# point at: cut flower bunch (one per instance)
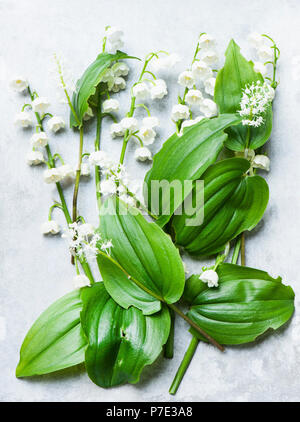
(122, 323)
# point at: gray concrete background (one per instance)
(35, 270)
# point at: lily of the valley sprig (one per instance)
(122, 323)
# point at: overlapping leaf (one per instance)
(246, 304)
(121, 341)
(55, 341)
(185, 158)
(86, 85)
(233, 203)
(231, 79)
(146, 254)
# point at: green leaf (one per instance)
(87, 84)
(186, 158)
(258, 135)
(121, 341)
(246, 304)
(145, 253)
(233, 203)
(55, 341)
(231, 79)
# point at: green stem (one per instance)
(184, 365)
(97, 148)
(236, 251)
(169, 346)
(160, 298)
(56, 205)
(132, 108)
(196, 327)
(126, 136)
(78, 173)
(85, 265)
(61, 77)
(243, 251)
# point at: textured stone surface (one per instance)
(36, 270)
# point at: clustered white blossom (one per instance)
(84, 241)
(255, 100)
(198, 81)
(145, 131)
(114, 78)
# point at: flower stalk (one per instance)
(85, 266)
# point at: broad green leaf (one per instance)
(55, 341)
(121, 342)
(87, 84)
(233, 203)
(231, 79)
(258, 136)
(246, 303)
(145, 252)
(185, 158)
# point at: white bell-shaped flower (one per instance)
(110, 106)
(142, 154)
(141, 91)
(119, 83)
(158, 89)
(88, 114)
(39, 139)
(261, 162)
(256, 40)
(66, 171)
(179, 112)
(40, 105)
(206, 41)
(209, 86)
(23, 119)
(210, 57)
(52, 175)
(19, 84)
(129, 123)
(116, 130)
(265, 53)
(194, 97)
(147, 134)
(33, 158)
(120, 69)
(209, 108)
(108, 187)
(201, 70)
(50, 227)
(150, 121)
(56, 123)
(186, 79)
(210, 277)
(85, 169)
(100, 158)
